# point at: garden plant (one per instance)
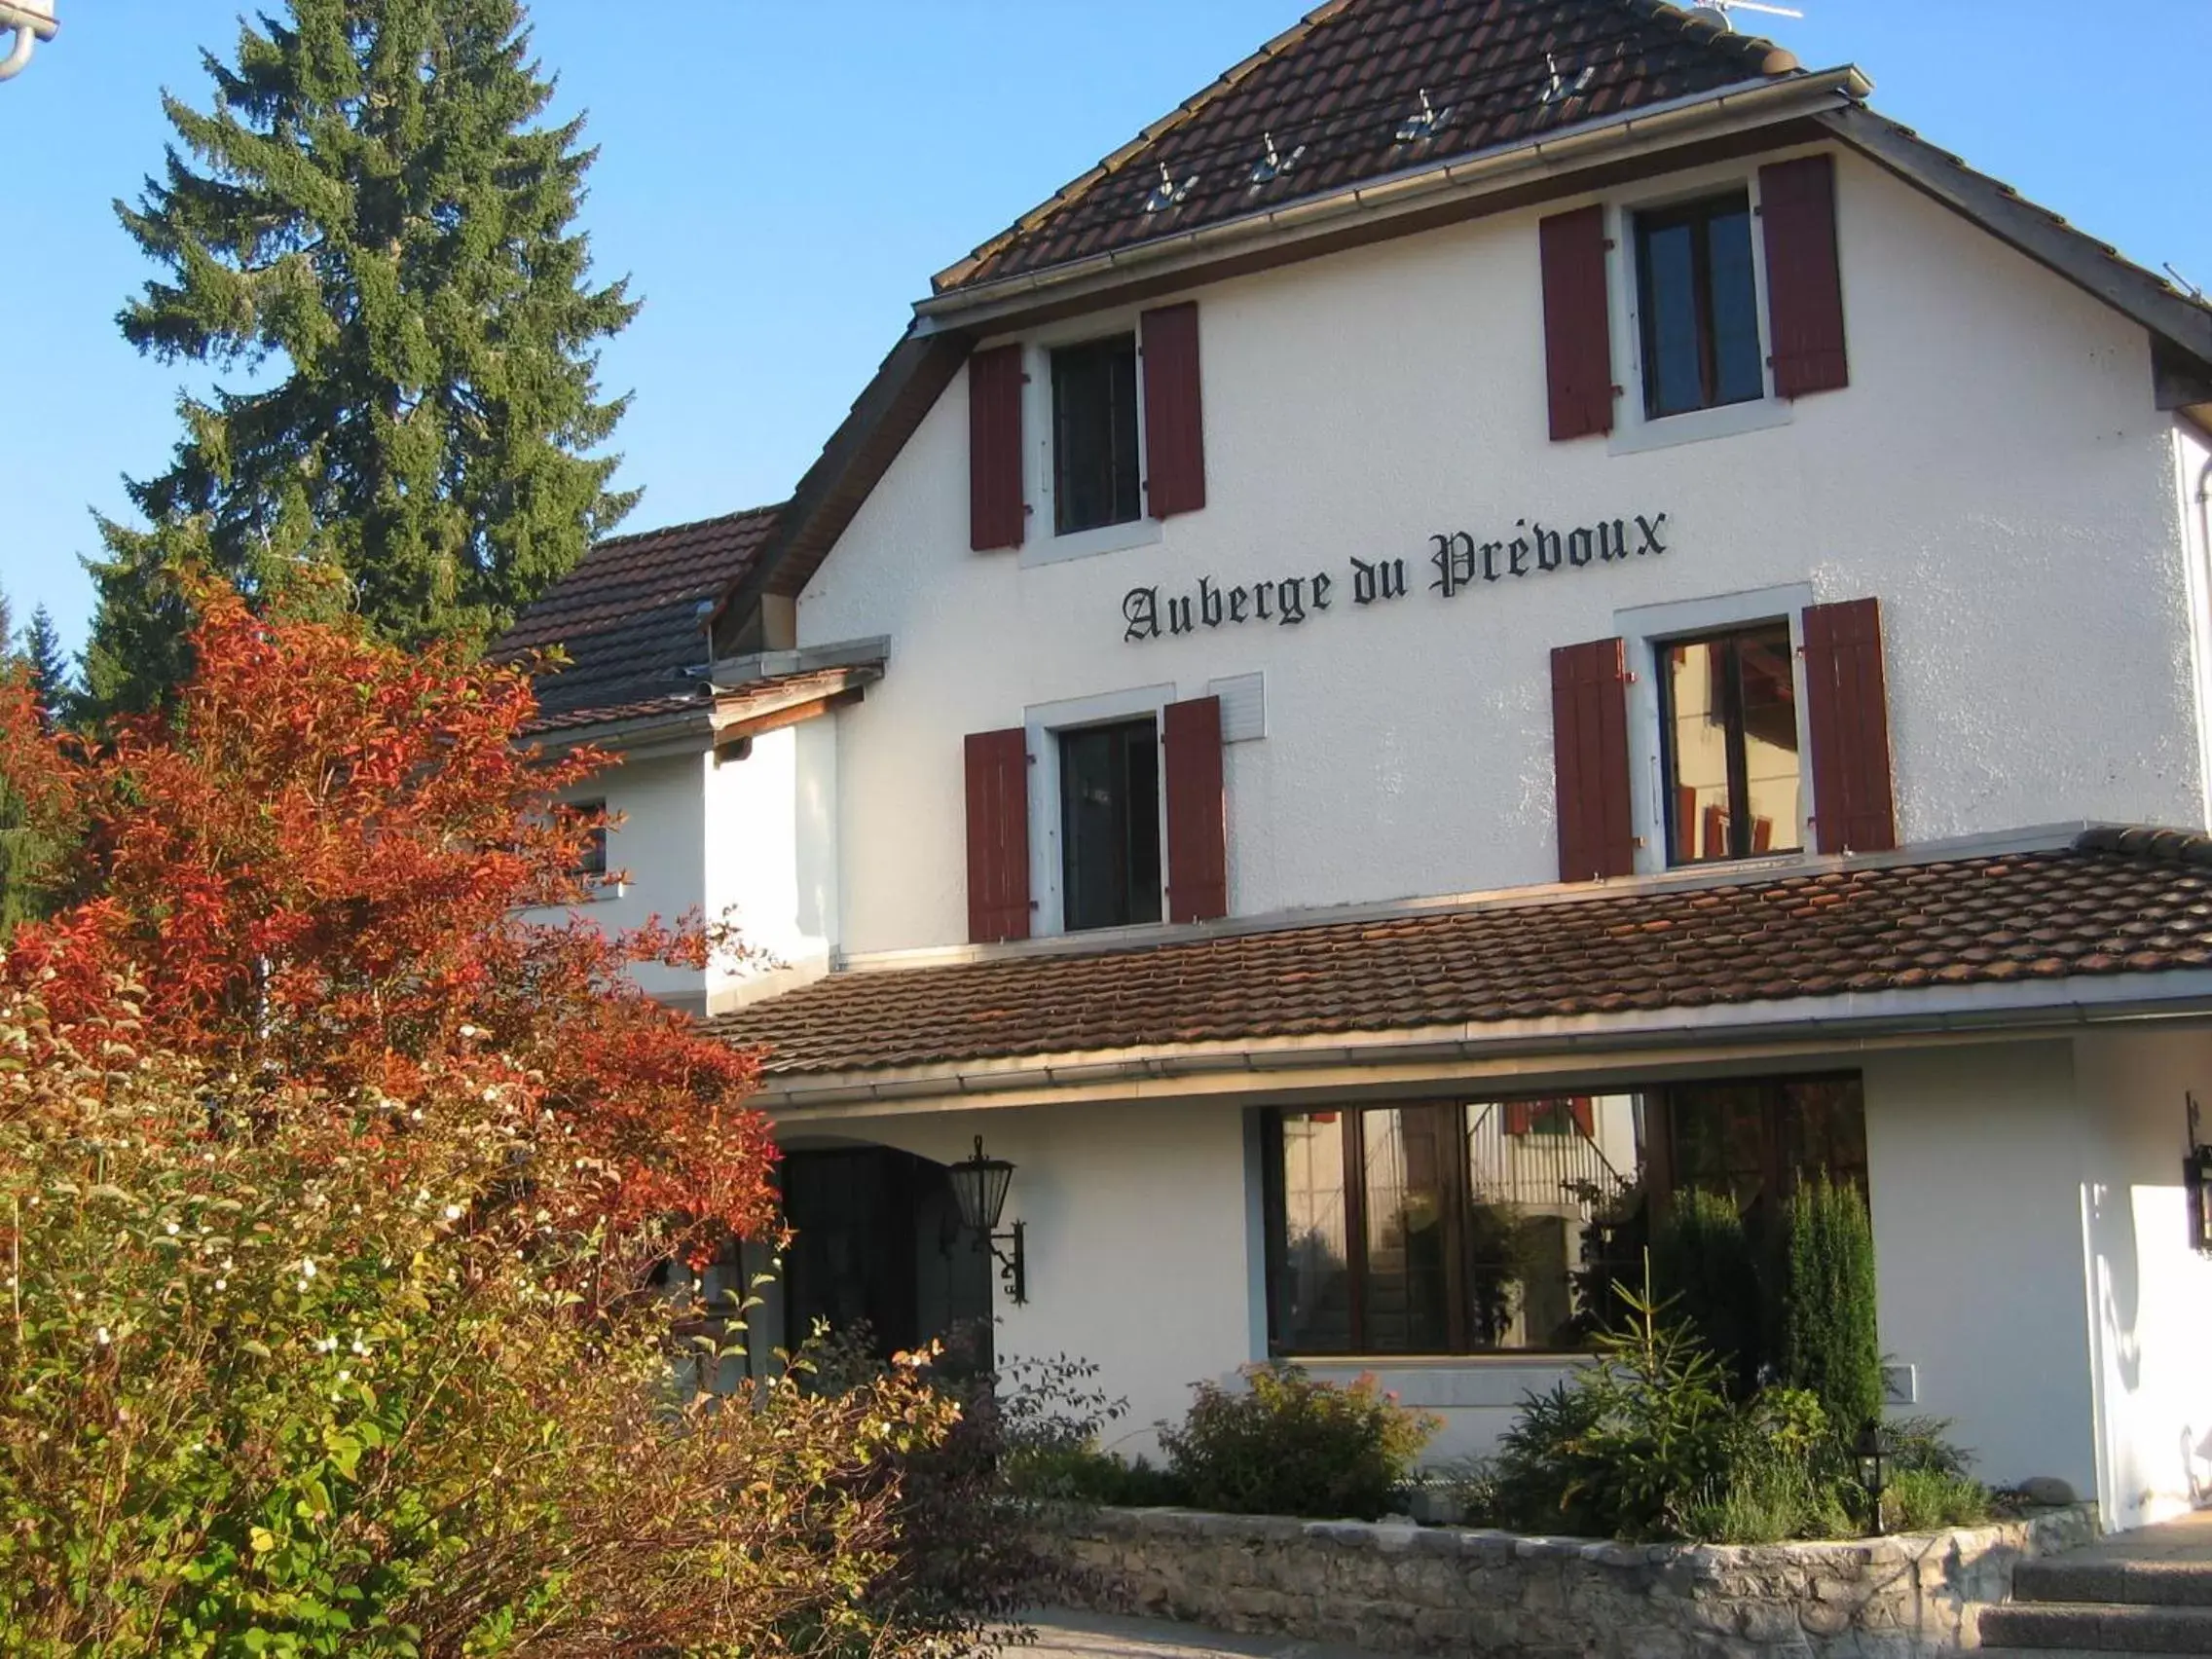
(349, 1196)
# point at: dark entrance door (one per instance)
(876, 1240)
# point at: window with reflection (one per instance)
(1697, 302)
(1504, 1226)
(1728, 742)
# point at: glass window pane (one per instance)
(1110, 826)
(1720, 1139)
(1694, 674)
(1823, 1127)
(1772, 776)
(1405, 1296)
(1094, 434)
(1667, 264)
(1313, 1278)
(1555, 1194)
(1738, 373)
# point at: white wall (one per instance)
(2193, 477)
(660, 846)
(2152, 1294)
(770, 856)
(1136, 1241)
(1996, 474)
(1974, 1173)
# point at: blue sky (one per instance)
(780, 178)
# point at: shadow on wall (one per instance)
(2112, 1227)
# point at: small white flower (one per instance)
(104, 1338)
(359, 1347)
(452, 1212)
(171, 1227)
(344, 1377)
(470, 1031)
(222, 1285)
(417, 1114)
(327, 1345)
(306, 1268)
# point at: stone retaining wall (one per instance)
(1398, 1588)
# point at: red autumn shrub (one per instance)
(329, 1184)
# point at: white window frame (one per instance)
(1642, 630)
(1044, 546)
(1634, 431)
(1042, 723)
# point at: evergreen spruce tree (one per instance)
(49, 666)
(29, 852)
(1704, 1267)
(1830, 1346)
(369, 219)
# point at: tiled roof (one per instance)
(631, 617)
(1340, 96)
(2112, 901)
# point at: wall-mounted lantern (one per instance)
(1873, 1469)
(2196, 1182)
(979, 1188)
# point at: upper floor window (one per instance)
(590, 859)
(1110, 825)
(1697, 296)
(1728, 731)
(1096, 474)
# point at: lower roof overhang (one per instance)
(1512, 1054)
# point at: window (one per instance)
(1697, 302)
(1110, 825)
(1728, 741)
(1094, 434)
(1503, 1226)
(591, 861)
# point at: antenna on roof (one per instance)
(1423, 125)
(2183, 282)
(1167, 192)
(1275, 163)
(1556, 86)
(1722, 9)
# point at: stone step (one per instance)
(2101, 1627)
(2131, 1583)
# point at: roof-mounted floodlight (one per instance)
(31, 21)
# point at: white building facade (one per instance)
(1363, 726)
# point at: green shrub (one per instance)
(1083, 1474)
(1705, 1270)
(1921, 1500)
(1829, 1346)
(1286, 1444)
(1628, 1445)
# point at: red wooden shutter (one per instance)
(1590, 757)
(1848, 711)
(1197, 834)
(1520, 1116)
(1584, 1112)
(998, 837)
(996, 514)
(1804, 287)
(1174, 422)
(1578, 348)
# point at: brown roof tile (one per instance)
(632, 618)
(1340, 96)
(2132, 901)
